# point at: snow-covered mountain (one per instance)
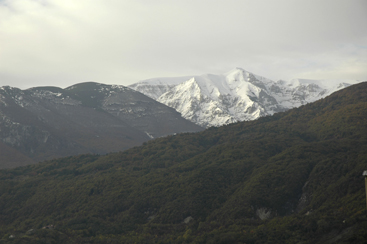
(155, 87)
(215, 100)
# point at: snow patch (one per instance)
(152, 137)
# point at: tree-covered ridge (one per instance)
(293, 177)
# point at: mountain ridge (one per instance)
(46, 122)
(237, 95)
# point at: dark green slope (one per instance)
(295, 177)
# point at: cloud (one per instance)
(62, 42)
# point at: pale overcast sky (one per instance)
(64, 42)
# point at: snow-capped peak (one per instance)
(237, 95)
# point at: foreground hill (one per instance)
(48, 122)
(238, 95)
(295, 177)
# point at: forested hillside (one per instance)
(295, 177)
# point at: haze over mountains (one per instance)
(238, 95)
(47, 122)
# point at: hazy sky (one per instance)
(63, 42)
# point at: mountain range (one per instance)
(48, 122)
(294, 177)
(238, 95)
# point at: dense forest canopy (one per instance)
(295, 177)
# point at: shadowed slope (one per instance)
(50, 122)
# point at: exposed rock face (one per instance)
(215, 100)
(188, 220)
(46, 122)
(263, 213)
(304, 200)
